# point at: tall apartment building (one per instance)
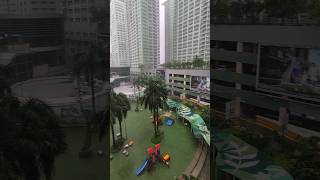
(187, 30)
(267, 71)
(31, 34)
(143, 25)
(81, 29)
(30, 7)
(168, 20)
(119, 34)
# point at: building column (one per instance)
(283, 120)
(172, 81)
(237, 100)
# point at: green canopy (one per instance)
(243, 161)
(198, 126)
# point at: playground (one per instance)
(178, 141)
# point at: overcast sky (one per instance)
(161, 8)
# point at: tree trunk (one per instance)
(93, 98)
(125, 128)
(157, 118)
(88, 137)
(87, 141)
(154, 121)
(138, 98)
(120, 126)
(113, 138)
(137, 105)
(79, 95)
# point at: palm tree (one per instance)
(136, 86)
(138, 83)
(79, 67)
(125, 107)
(92, 65)
(154, 98)
(29, 150)
(119, 107)
(112, 121)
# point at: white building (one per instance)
(143, 25)
(119, 49)
(187, 29)
(169, 17)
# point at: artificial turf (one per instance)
(178, 141)
(70, 166)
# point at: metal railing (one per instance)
(298, 21)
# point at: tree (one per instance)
(198, 62)
(29, 150)
(137, 84)
(252, 9)
(168, 65)
(284, 8)
(154, 98)
(120, 105)
(221, 9)
(92, 65)
(125, 107)
(236, 10)
(115, 113)
(205, 114)
(315, 8)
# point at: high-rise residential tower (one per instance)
(187, 29)
(168, 19)
(82, 26)
(119, 34)
(31, 7)
(143, 25)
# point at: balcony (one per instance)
(299, 21)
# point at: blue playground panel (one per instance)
(169, 122)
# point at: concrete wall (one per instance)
(295, 36)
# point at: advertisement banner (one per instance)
(200, 83)
(290, 71)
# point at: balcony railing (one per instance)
(298, 21)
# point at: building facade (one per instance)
(31, 38)
(189, 83)
(119, 49)
(169, 25)
(143, 25)
(81, 27)
(187, 30)
(267, 71)
(30, 7)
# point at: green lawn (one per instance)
(178, 141)
(69, 166)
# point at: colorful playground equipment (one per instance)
(169, 122)
(153, 156)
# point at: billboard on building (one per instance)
(201, 83)
(290, 71)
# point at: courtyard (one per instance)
(178, 141)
